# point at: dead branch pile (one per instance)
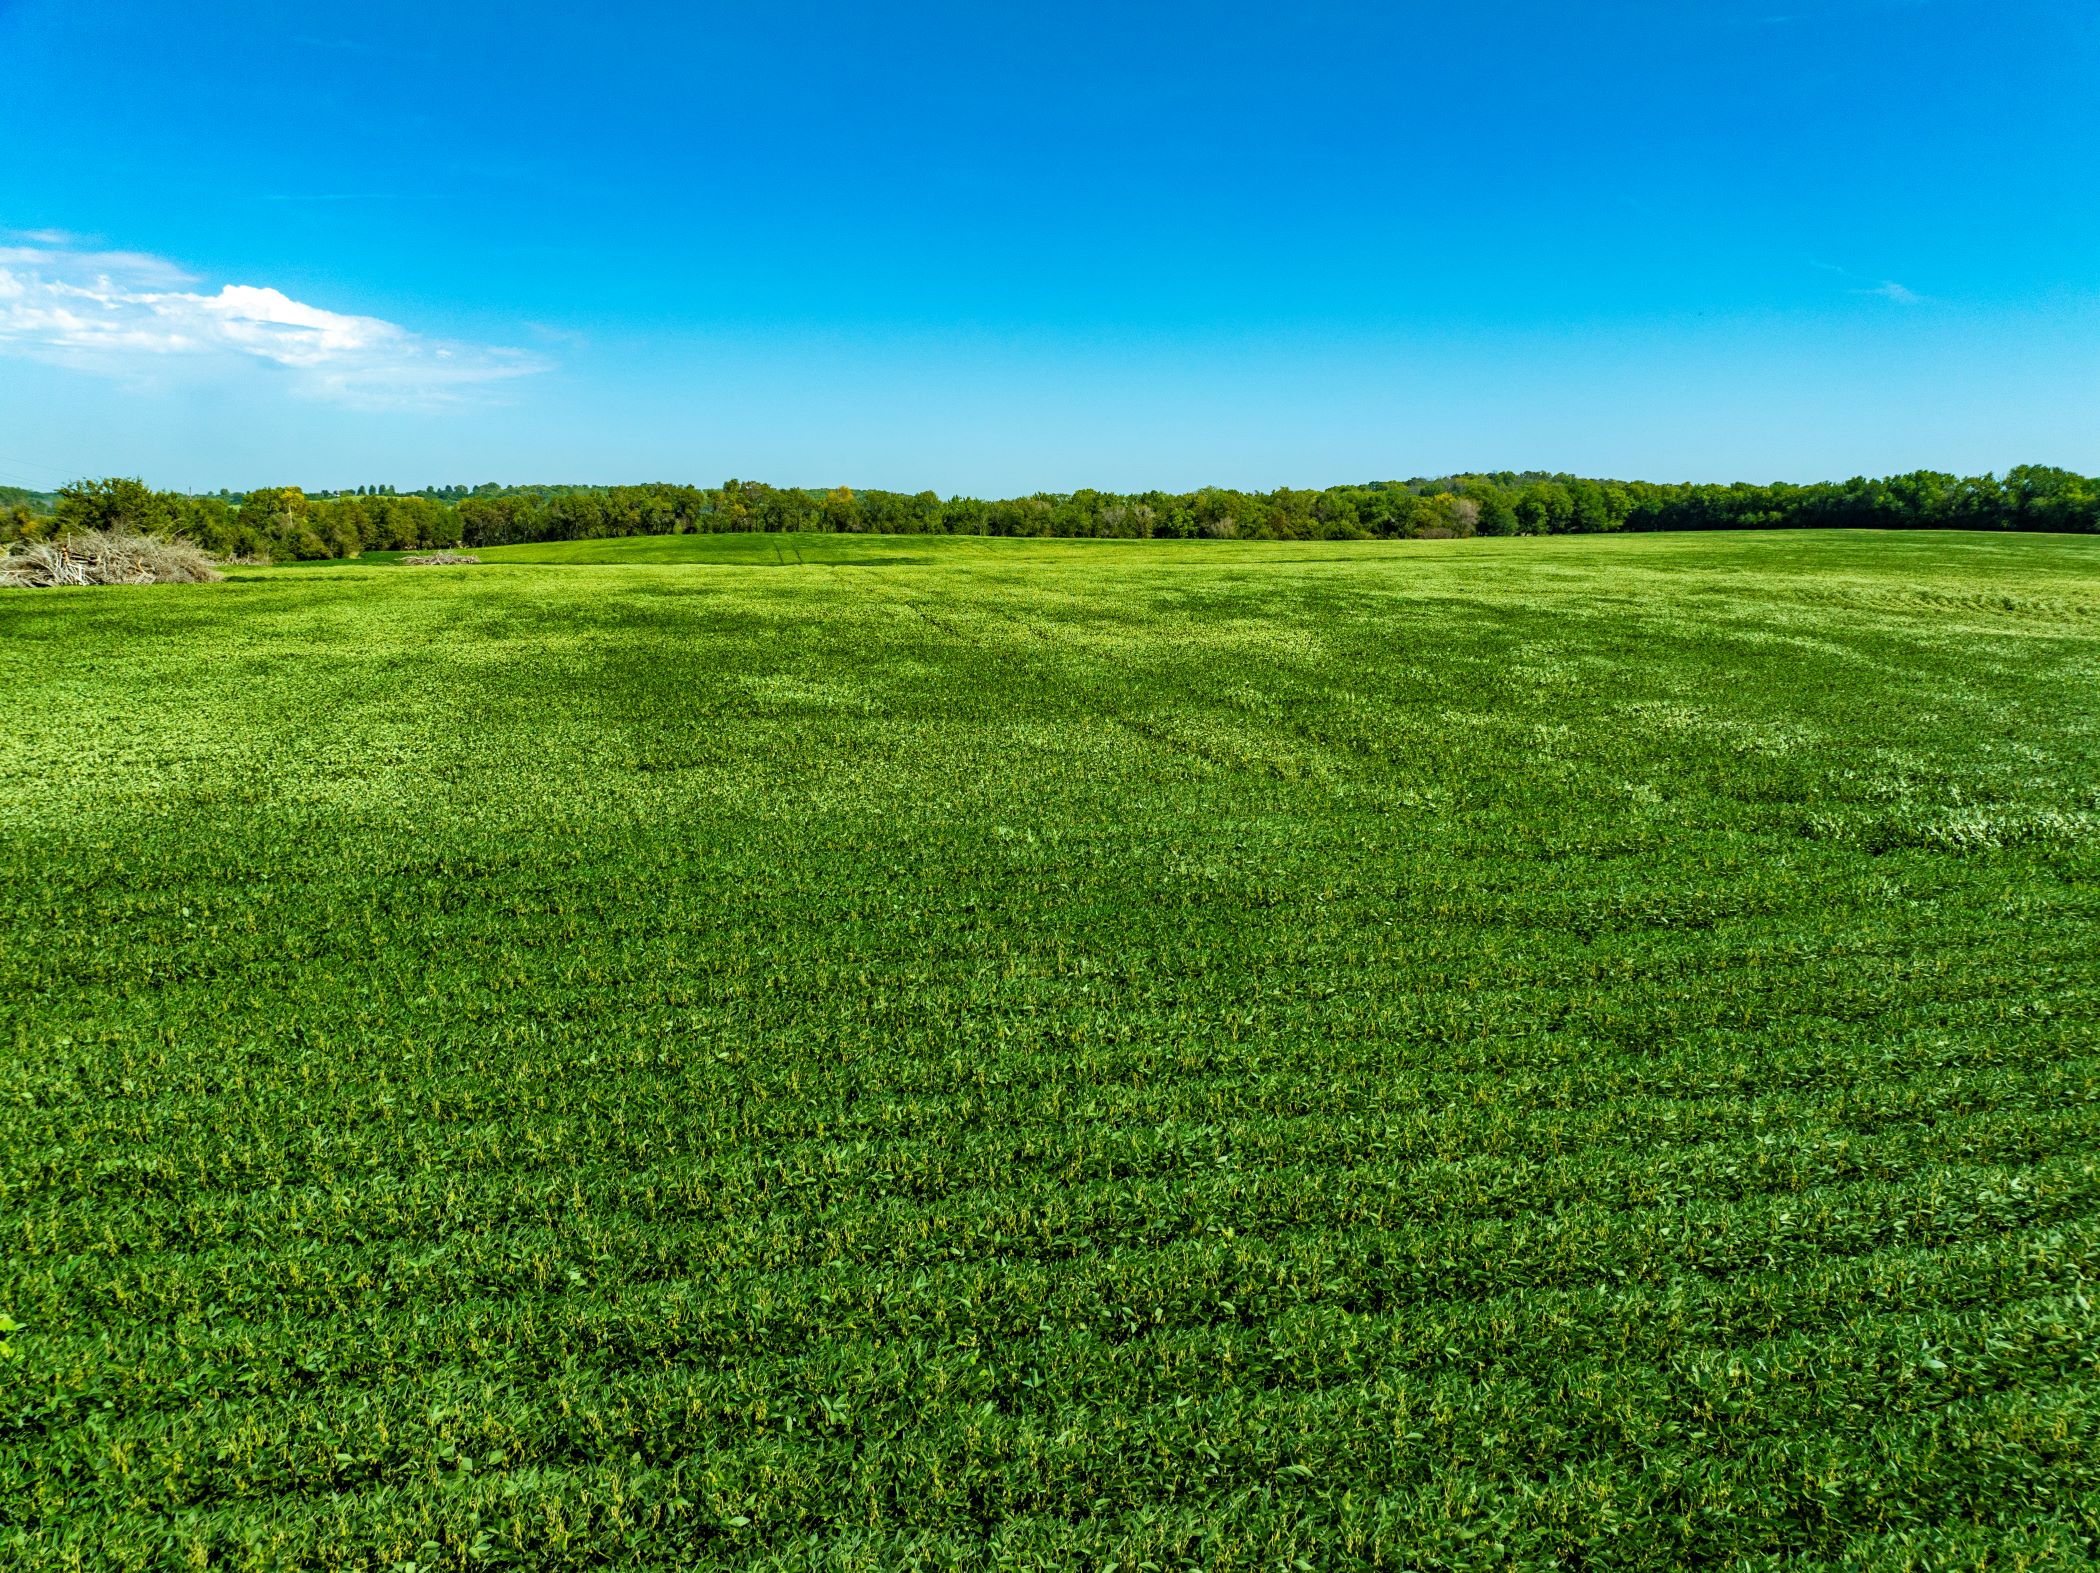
(439, 559)
(105, 557)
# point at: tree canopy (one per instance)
(286, 523)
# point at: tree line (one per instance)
(286, 523)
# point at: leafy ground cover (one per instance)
(840, 1052)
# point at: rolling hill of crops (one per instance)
(844, 1052)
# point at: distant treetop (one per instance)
(288, 522)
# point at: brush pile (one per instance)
(439, 559)
(105, 557)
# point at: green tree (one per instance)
(120, 503)
(2042, 497)
(1544, 508)
(1498, 514)
(839, 511)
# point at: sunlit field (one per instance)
(866, 1052)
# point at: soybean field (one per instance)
(877, 1052)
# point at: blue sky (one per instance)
(1001, 248)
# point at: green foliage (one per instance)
(22, 496)
(872, 1052)
(288, 525)
(120, 505)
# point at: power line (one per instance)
(28, 464)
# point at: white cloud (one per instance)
(123, 313)
(1887, 289)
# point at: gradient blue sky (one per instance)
(1000, 248)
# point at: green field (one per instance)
(840, 1052)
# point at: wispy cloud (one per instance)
(124, 313)
(548, 333)
(1887, 289)
(135, 268)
